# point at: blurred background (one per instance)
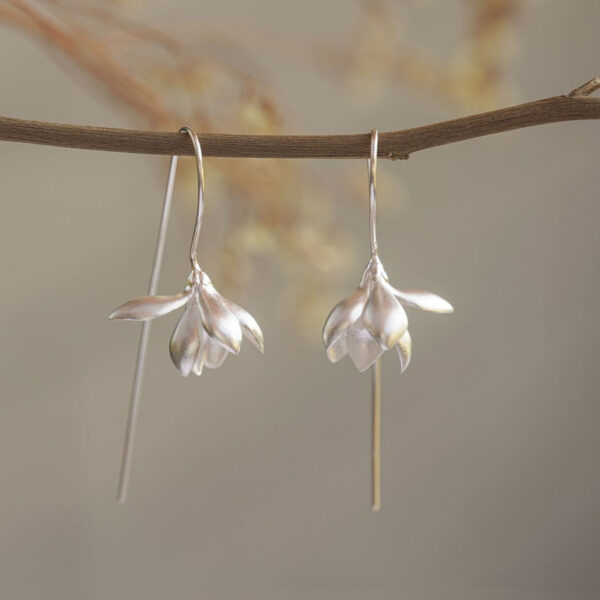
(253, 480)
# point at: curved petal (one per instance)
(185, 341)
(145, 308)
(404, 347)
(363, 348)
(384, 317)
(199, 363)
(338, 349)
(250, 328)
(218, 320)
(423, 300)
(215, 354)
(344, 315)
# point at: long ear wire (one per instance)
(372, 321)
(210, 328)
(144, 337)
(376, 367)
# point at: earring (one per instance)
(210, 328)
(371, 321)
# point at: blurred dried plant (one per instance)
(211, 82)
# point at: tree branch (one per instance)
(392, 144)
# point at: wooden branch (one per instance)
(392, 144)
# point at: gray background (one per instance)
(252, 482)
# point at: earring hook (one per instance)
(136, 390)
(372, 166)
(200, 208)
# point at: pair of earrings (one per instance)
(364, 325)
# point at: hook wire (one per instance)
(372, 167)
(200, 207)
(376, 368)
(136, 390)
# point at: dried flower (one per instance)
(209, 328)
(372, 319)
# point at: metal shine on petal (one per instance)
(145, 308)
(384, 316)
(218, 320)
(404, 348)
(185, 341)
(423, 300)
(215, 354)
(344, 315)
(250, 328)
(363, 348)
(338, 349)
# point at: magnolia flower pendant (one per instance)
(210, 328)
(372, 320)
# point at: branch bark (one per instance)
(392, 144)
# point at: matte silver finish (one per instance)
(423, 300)
(372, 320)
(384, 317)
(136, 390)
(218, 321)
(250, 328)
(210, 328)
(185, 341)
(344, 315)
(146, 308)
(404, 347)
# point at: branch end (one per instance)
(586, 89)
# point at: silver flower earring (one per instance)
(210, 328)
(371, 321)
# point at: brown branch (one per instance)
(392, 144)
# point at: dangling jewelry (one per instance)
(371, 321)
(210, 328)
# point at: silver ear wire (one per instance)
(376, 367)
(200, 206)
(372, 167)
(210, 328)
(372, 320)
(136, 390)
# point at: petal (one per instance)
(150, 307)
(363, 348)
(338, 349)
(423, 300)
(199, 364)
(250, 328)
(344, 315)
(215, 354)
(219, 322)
(185, 341)
(384, 317)
(404, 347)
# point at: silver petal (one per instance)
(219, 322)
(423, 300)
(199, 364)
(215, 354)
(363, 348)
(145, 308)
(250, 327)
(344, 315)
(404, 347)
(384, 317)
(185, 341)
(338, 349)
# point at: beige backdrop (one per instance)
(252, 482)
